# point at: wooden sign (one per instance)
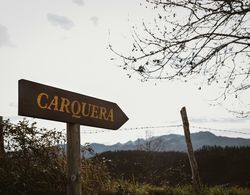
(42, 101)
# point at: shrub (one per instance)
(32, 163)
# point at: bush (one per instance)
(35, 164)
(32, 163)
(95, 178)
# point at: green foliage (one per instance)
(35, 164)
(123, 187)
(217, 166)
(229, 165)
(156, 168)
(94, 177)
(220, 190)
(32, 164)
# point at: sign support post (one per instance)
(46, 102)
(73, 159)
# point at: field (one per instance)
(36, 165)
(126, 188)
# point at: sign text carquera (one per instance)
(75, 108)
(42, 101)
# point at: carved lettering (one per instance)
(54, 103)
(65, 103)
(39, 100)
(77, 109)
(84, 109)
(110, 115)
(103, 112)
(95, 110)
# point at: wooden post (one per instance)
(73, 159)
(191, 157)
(2, 152)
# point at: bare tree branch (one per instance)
(195, 38)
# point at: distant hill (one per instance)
(173, 142)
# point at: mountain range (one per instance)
(173, 142)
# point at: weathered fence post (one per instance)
(73, 160)
(2, 152)
(191, 157)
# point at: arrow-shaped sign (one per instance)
(42, 101)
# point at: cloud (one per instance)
(94, 20)
(4, 37)
(60, 21)
(79, 2)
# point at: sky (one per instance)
(64, 43)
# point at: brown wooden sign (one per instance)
(42, 101)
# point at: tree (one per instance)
(195, 39)
(150, 143)
(33, 163)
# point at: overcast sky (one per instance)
(63, 43)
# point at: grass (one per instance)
(131, 188)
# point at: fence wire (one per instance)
(96, 131)
(164, 127)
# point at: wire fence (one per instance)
(220, 130)
(170, 128)
(96, 131)
(130, 129)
